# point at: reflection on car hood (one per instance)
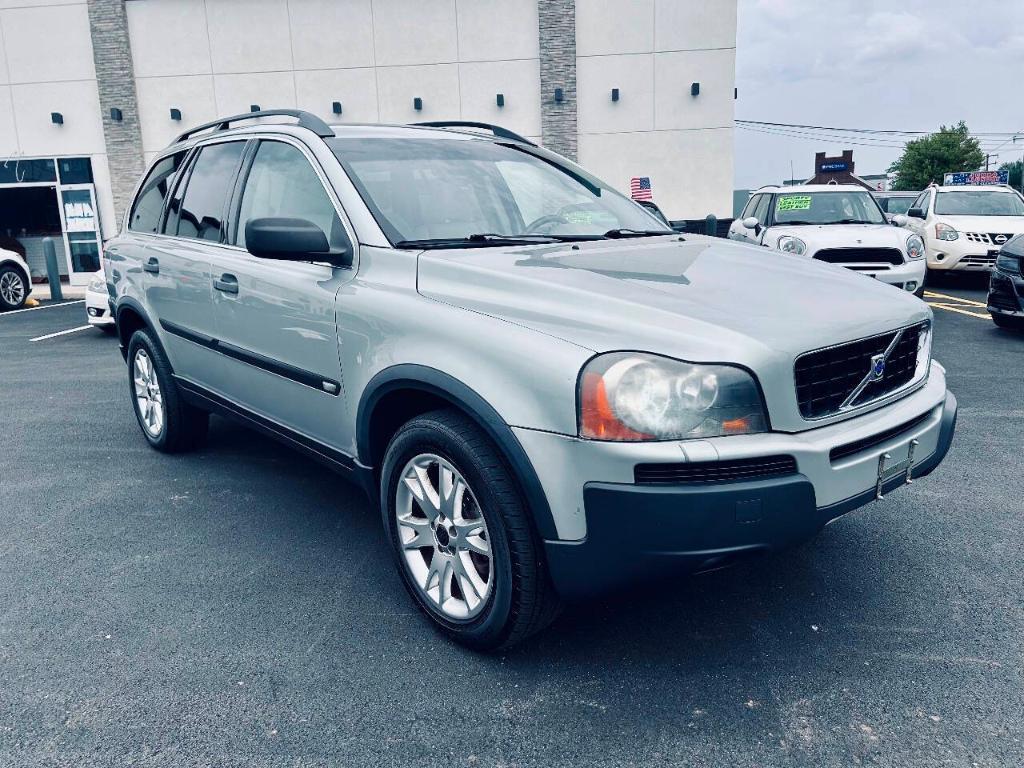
(702, 299)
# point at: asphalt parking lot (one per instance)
(237, 606)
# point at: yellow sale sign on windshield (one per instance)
(794, 203)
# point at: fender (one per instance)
(128, 302)
(435, 382)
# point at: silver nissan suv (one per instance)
(548, 392)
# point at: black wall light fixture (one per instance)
(57, 118)
(254, 107)
(694, 89)
(116, 115)
(336, 107)
(559, 96)
(735, 93)
(417, 104)
(615, 94)
(175, 113)
(500, 99)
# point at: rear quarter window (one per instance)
(149, 203)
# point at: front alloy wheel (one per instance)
(444, 537)
(12, 289)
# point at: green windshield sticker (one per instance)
(579, 217)
(794, 203)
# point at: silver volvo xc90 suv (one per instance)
(548, 392)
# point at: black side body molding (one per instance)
(435, 382)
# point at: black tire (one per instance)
(919, 292)
(184, 426)
(1008, 323)
(933, 277)
(13, 277)
(521, 600)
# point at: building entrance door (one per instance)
(81, 226)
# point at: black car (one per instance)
(1006, 287)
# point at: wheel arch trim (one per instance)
(128, 303)
(434, 382)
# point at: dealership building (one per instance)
(91, 90)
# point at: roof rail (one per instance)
(306, 120)
(497, 130)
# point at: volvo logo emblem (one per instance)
(877, 367)
(1000, 239)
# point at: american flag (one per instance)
(640, 188)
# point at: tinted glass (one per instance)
(212, 175)
(896, 205)
(282, 183)
(75, 170)
(17, 171)
(761, 211)
(748, 209)
(145, 215)
(841, 207)
(425, 188)
(979, 203)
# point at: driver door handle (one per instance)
(226, 283)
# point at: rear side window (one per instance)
(201, 211)
(761, 209)
(145, 215)
(282, 183)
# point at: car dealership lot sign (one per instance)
(976, 177)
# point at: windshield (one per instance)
(827, 208)
(450, 189)
(979, 203)
(897, 205)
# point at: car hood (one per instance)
(700, 299)
(844, 236)
(989, 224)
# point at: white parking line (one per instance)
(42, 306)
(61, 333)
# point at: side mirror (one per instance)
(899, 220)
(916, 213)
(751, 222)
(293, 240)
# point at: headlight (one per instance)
(98, 284)
(790, 244)
(945, 232)
(633, 396)
(924, 351)
(1007, 263)
(915, 247)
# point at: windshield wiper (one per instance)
(854, 221)
(485, 239)
(796, 223)
(626, 232)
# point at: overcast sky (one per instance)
(900, 64)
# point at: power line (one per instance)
(856, 140)
(996, 134)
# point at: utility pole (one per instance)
(988, 158)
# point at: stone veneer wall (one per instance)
(557, 31)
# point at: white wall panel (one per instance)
(270, 90)
(249, 35)
(614, 26)
(518, 81)
(437, 85)
(633, 75)
(8, 136)
(491, 30)
(691, 172)
(674, 107)
(82, 132)
(4, 75)
(691, 24)
(330, 34)
(414, 32)
(192, 94)
(169, 37)
(48, 44)
(356, 89)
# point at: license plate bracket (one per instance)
(887, 473)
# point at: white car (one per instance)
(964, 227)
(97, 304)
(836, 223)
(15, 280)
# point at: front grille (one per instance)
(988, 238)
(987, 261)
(827, 377)
(842, 451)
(703, 472)
(860, 256)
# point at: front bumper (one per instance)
(97, 309)
(1006, 294)
(619, 531)
(909, 275)
(960, 254)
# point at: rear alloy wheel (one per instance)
(462, 537)
(13, 290)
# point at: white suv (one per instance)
(836, 223)
(963, 228)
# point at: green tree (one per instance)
(1015, 171)
(927, 159)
